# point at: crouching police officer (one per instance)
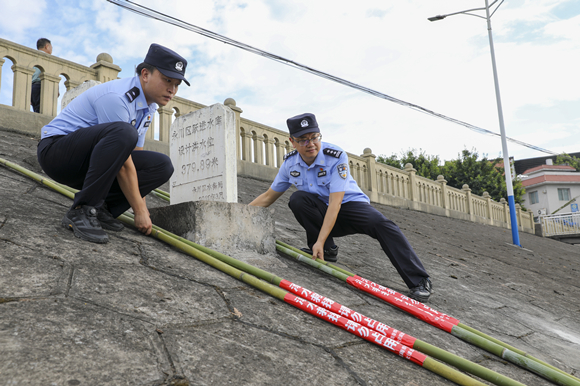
(96, 144)
(330, 204)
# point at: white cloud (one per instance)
(18, 16)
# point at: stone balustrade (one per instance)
(260, 148)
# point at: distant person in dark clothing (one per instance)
(44, 45)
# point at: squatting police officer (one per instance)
(96, 144)
(330, 204)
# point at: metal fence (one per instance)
(561, 224)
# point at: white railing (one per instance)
(561, 224)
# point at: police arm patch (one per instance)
(342, 170)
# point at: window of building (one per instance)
(534, 197)
(564, 194)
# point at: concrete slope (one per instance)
(138, 312)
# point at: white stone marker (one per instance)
(203, 151)
(75, 92)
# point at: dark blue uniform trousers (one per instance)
(359, 217)
(90, 158)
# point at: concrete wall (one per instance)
(260, 148)
(548, 197)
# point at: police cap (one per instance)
(168, 62)
(302, 124)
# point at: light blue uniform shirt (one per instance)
(329, 173)
(119, 100)
(36, 76)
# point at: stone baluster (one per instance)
(269, 143)
(165, 115)
(371, 177)
(444, 198)
(279, 153)
(21, 87)
(150, 134)
(49, 94)
(506, 212)
(519, 217)
(246, 143)
(259, 149)
(413, 194)
(488, 207)
(468, 202)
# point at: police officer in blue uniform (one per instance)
(96, 144)
(330, 204)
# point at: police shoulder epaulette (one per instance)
(132, 94)
(332, 152)
(290, 154)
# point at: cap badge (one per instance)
(304, 123)
(179, 66)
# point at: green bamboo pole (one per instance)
(279, 293)
(426, 348)
(163, 192)
(43, 180)
(247, 278)
(470, 335)
(511, 348)
(512, 354)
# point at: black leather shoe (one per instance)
(422, 292)
(330, 255)
(84, 224)
(107, 220)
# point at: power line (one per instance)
(153, 14)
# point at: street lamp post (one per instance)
(506, 159)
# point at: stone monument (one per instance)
(203, 151)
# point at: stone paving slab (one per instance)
(148, 294)
(69, 342)
(138, 312)
(227, 353)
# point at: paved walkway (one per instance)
(137, 312)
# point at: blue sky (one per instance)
(388, 46)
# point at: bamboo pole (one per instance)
(440, 320)
(445, 322)
(275, 291)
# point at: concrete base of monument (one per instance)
(241, 231)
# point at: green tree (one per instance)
(391, 161)
(566, 159)
(482, 175)
(427, 166)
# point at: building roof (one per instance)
(550, 167)
(528, 163)
(551, 178)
